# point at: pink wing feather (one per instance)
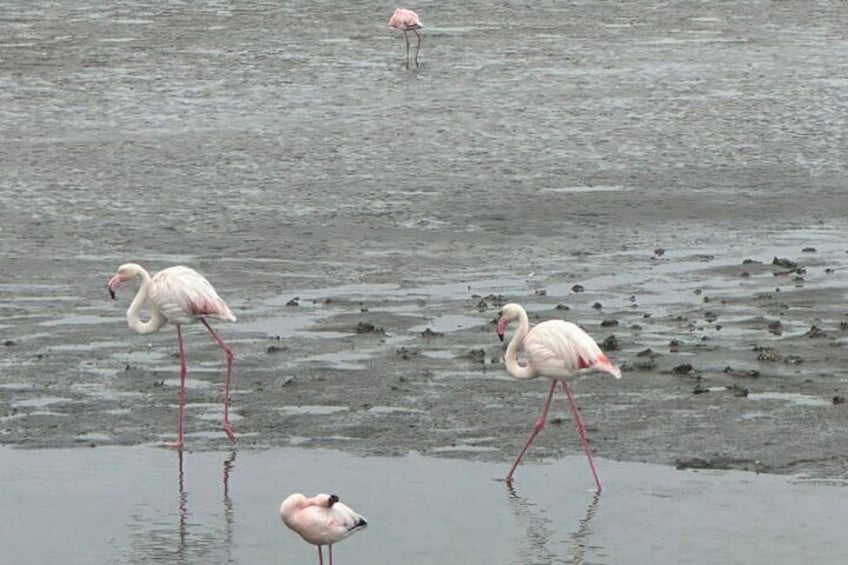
(405, 19)
(183, 295)
(559, 349)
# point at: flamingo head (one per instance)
(508, 313)
(501, 329)
(127, 271)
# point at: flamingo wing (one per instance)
(343, 516)
(405, 19)
(324, 526)
(183, 295)
(558, 349)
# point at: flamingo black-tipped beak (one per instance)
(332, 500)
(113, 283)
(500, 336)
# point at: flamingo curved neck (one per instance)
(511, 357)
(156, 320)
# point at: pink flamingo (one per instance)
(407, 20)
(560, 351)
(320, 520)
(183, 296)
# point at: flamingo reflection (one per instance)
(539, 532)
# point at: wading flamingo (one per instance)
(320, 520)
(182, 296)
(407, 20)
(560, 351)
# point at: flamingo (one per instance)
(320, 520)
(180, 295)
(560, 351)
(407, 20)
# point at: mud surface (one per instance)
(615, 165)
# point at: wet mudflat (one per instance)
(670, 175)
(218, 507)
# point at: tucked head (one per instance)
(126, 272)
(508, 313)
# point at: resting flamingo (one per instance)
(320, 520)
(560, 351)
(180, 295)
(407, 20)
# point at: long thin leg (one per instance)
(320, 556)
(229, 354)
(179, 443)
(406, 38)
(540, 423)
(581, 431)
(417, 47)
(330, 549)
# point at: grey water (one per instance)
(143, 505)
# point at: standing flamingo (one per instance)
(560, 351)
(320, 520)
(407, 20)
(183, 296)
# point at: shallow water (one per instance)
(141, 505)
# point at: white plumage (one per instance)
(558, 350)
(320, 520)
(180, 295)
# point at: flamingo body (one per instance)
(183, 296)
(560, 351)
(180, 295)
(320, 520)
(406, 20)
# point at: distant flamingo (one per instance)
(320, 520)
(407, 20)
(182, 296)
(560, 351)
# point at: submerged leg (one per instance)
(581, 431)
(406, 38)
(181, 400)
(229, 355)
(540, 423)
(417, 46)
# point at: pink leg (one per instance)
(581, 431)
(179, 443)
(406, 38)
(417, 47)
(540, 423)
(330, 550)
(320, 556)
(229, 354)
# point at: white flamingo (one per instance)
(180, 295)
(560, 351)
(320, 520)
